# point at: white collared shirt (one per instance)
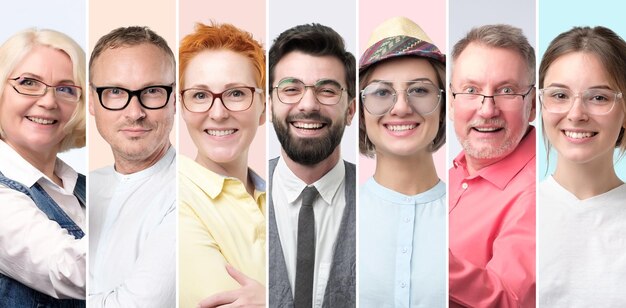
(132, 226)
(328, 210)
(35, 250)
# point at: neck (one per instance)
(310, 174)
(589, 179)
(126, 166)
(236, 169)
(406, 175)
(44, 161)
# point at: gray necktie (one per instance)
(305, 260)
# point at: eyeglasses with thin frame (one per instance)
(118, 98)
(233, 99)
(379, 97)
(292, 90)
(504, 101)
(33, 87)
(596, 101)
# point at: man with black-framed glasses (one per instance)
(492, 181)
(312, 225)
(132, 251)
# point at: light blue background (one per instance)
(67, 16)
(465, 15)
(558, 16)
(339, 15)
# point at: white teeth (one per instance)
(308, 125)
(397, 128)
(41, 121)
(486, 129)
(214, 132)
(578, 135)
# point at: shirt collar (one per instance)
(213, 183)
(503, 171)
(436, 192)
(327, 185)
(15, 167)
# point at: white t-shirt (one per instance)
(581, 248)
(132, 236)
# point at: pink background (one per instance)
(243, 14)
(106, 15)
(431, 16)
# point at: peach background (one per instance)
(106, 15)
(253, 21)
(431, 16)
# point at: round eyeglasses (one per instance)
(233, 99)
(33, 87)
(595, 101)
(379, 97)
(326, 91)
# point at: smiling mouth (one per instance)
(487, 129)
(400, 128)
(307, 125)
(42, 121)
(578, 135)
(219, 133)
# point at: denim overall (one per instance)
(12, 292)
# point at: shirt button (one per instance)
(403, 285)
(464, 185)
(407, 220)
(404, 250)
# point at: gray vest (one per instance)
(340, 290)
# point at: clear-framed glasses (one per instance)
(33, 87)
(379, 97)
(595, 101)
(504, 101)
(233, 99)
(117, 98)
(291, 91)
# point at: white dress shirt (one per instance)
(35, 250)
(132, 225)
(328, 210)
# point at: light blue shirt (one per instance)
(402, 247)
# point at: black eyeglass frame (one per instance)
(132, 93)
(493, 97)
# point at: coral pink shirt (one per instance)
(492, 231)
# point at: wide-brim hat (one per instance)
(398, 37)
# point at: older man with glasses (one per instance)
(132, 251)
(492, 181)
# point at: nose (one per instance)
(488, 108)
(218, 111)
(309, 101)
(47, 100)
(402, 107)
(134, 110)
(577, 112)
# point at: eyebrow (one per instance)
(560, 85)
(35, 76)
(226, 86)
(389, 82)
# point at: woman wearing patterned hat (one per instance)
(402, 211)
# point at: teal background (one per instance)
(557, 16)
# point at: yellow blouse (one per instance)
(219, 223)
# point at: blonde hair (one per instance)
(19, 45)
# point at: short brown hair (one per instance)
(126, 37)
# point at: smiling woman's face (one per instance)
(35, 124)
(577, 135)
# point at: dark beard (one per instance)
(308, 151)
